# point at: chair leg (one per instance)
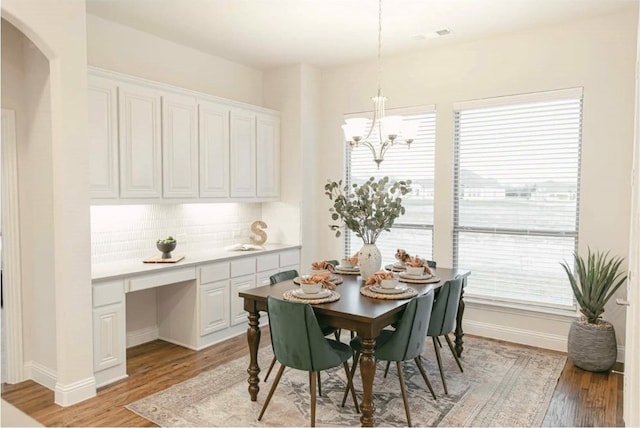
(386, 370)
(273, 363)
(337, 333)
(404, 392)
(353, 334)
(356, 357)
(350, 386)
(444, 382)
(438, 340)
(454, 352)
(424, 376)
(271, 391)
(312, 388)
(319, 385)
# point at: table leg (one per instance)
(367, 372)
(458, 332)
(253, 337)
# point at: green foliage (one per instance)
(594, 282)
(366, 209)
(168, 240)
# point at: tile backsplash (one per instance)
(120, 232)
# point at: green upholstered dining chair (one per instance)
(333, 262)
(288, 275)
(402, 344)
(298, 342)
(443, 320)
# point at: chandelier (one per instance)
(391, 130)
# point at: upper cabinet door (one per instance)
(140, 144)
(179, 146)
(103, 137)
(214, 150)
(268, 160)
(243, 154)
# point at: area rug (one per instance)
(502, 385)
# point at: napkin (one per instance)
(402, 256)
(377, 277)
(322, 278)
(353, 259)
(418, 262)
(322, 265)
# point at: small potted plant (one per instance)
(367, 209)
(592, 341)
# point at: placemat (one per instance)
(431, 280)
(366, 291)
(288, 295)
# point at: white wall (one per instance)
(120, 48)
(598, 55)
(58, 30)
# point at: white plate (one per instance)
(395, 290)
(420, 277)
(348, 269)
(319, 295)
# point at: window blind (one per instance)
(516, 193)
(414, 230)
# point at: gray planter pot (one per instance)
(592, 347)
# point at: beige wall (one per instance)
(55, 99)
(598, 55)
(119, 48)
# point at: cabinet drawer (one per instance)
(160, 279)
(106, 293)
(291, 257)
(214, 272)
(267, 262)
(243, 267)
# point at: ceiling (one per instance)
(327, 33)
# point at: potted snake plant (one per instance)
(592, 341)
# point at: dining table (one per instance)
(367, 316)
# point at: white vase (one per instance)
(369, 260)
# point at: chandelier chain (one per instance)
(379, 45)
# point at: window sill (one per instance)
(561, 314)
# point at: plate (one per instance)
(332, 278)
(395, 268)
(344, 268)
(319, 295)
(418, 277)
(395, 290)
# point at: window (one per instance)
(517, 164)
(414, 230)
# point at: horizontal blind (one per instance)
(414, 230)
(516, 198)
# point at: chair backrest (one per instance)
(445, 308)
(431, 263)
(296, 337)
(407, 340)
(283, 276)
(333, 262)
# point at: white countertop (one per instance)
(127, 268)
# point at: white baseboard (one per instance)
(72, 393)
(522, 336)
(143, 335)
(40, 374)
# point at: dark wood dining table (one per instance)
(365, 315)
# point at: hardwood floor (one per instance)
(580, 399)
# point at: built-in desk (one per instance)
(197, 299)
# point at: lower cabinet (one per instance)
(241, 283)
(214, 307)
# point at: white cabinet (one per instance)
(242, 154)
(241, 283)
(214, 149)
(268, 156)
(102, 133)
(214, 307)
(140, 143)
(179, 146)
(109, 341)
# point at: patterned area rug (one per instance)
(502, 385)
